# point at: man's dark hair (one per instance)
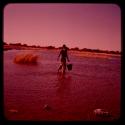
(64, 45)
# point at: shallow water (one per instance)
(92, 83)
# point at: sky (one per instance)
(93, 26)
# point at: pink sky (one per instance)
(94, 26)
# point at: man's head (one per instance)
(64, 46)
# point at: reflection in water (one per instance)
(63, 93)
(63, 85)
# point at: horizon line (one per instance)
(24, 44)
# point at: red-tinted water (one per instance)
(93, 83)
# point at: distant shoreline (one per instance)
(33, 47)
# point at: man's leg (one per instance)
(60, 67)
(64, 67)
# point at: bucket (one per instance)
(69, 66)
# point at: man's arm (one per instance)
(59, 55)
(67, 56)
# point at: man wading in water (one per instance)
(64, 56)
